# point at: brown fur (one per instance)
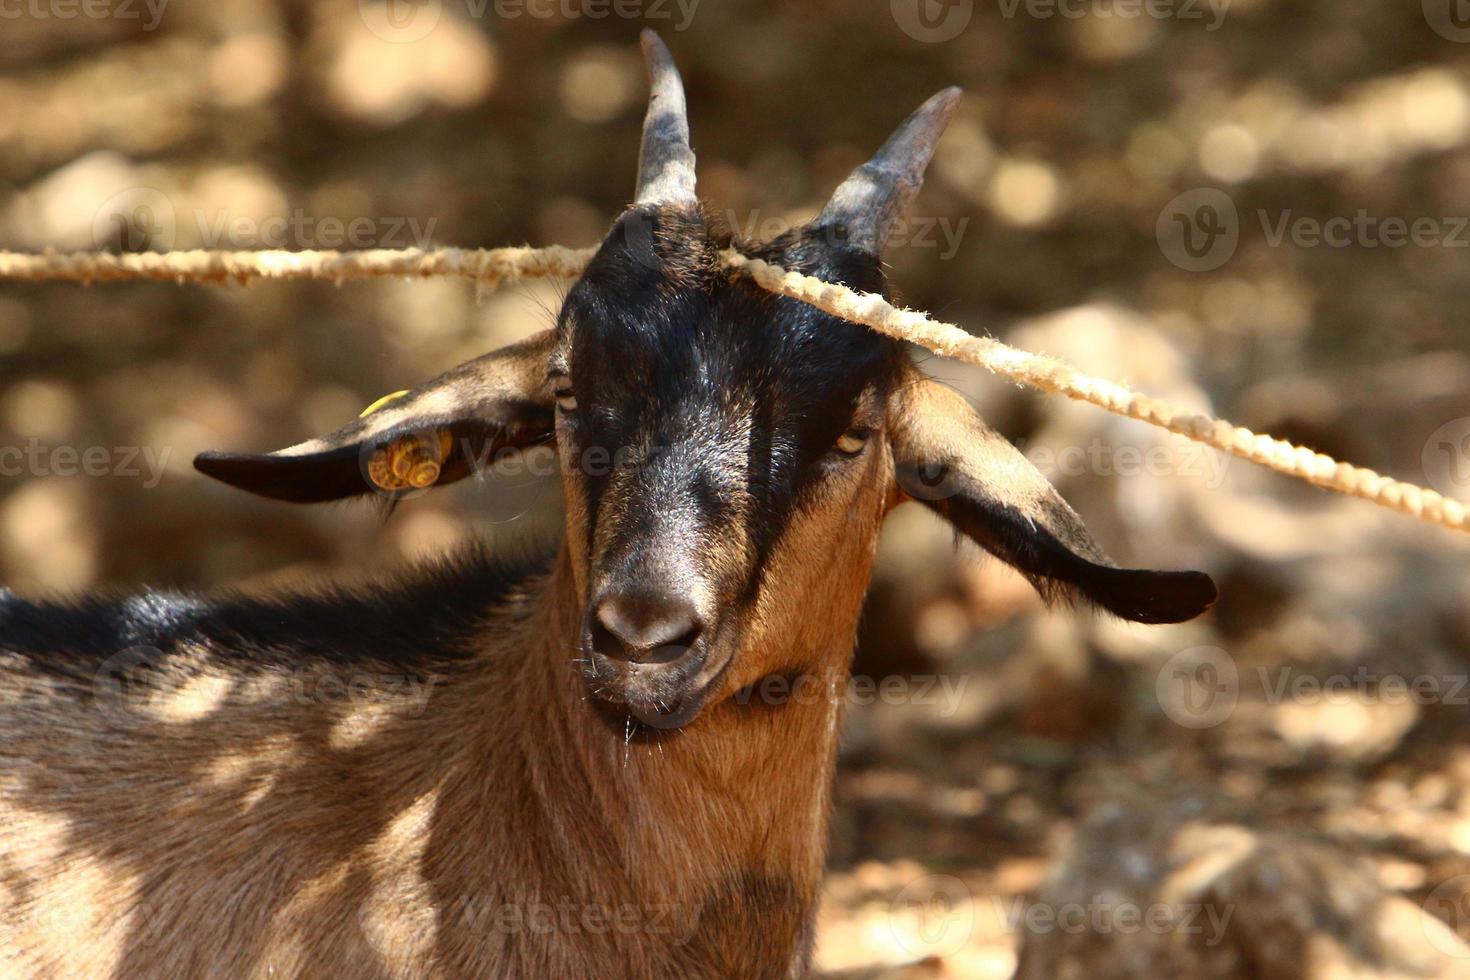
(494, 824)
(213, 835)
(490, 824)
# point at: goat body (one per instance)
(557, 768)
(435, 796)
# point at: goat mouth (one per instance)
(652, 696)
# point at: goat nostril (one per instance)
(606, 642)
(644, 631)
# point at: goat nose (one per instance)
(645, 628)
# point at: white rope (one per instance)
(492, 268)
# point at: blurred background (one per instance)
(1257, 208)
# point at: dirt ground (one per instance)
(1279, 789)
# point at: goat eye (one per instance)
(851, 442)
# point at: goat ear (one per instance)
(431, 435)
(948, 459)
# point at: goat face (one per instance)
(727, 455)
(704, 427)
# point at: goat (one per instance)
(548, 766)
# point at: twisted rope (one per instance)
(1050, 374)
(492, 268)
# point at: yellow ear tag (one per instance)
(411, 461)
(385, 400)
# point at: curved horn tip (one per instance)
(655, 51)
(870, 202)
(942, 104)
(918, 135)
(947, 98)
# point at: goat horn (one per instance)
(867, 206)
(666, 163)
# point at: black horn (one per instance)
(867, 206)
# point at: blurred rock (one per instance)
(1169, 889)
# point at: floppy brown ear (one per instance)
(433, 434)
(948, 459)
